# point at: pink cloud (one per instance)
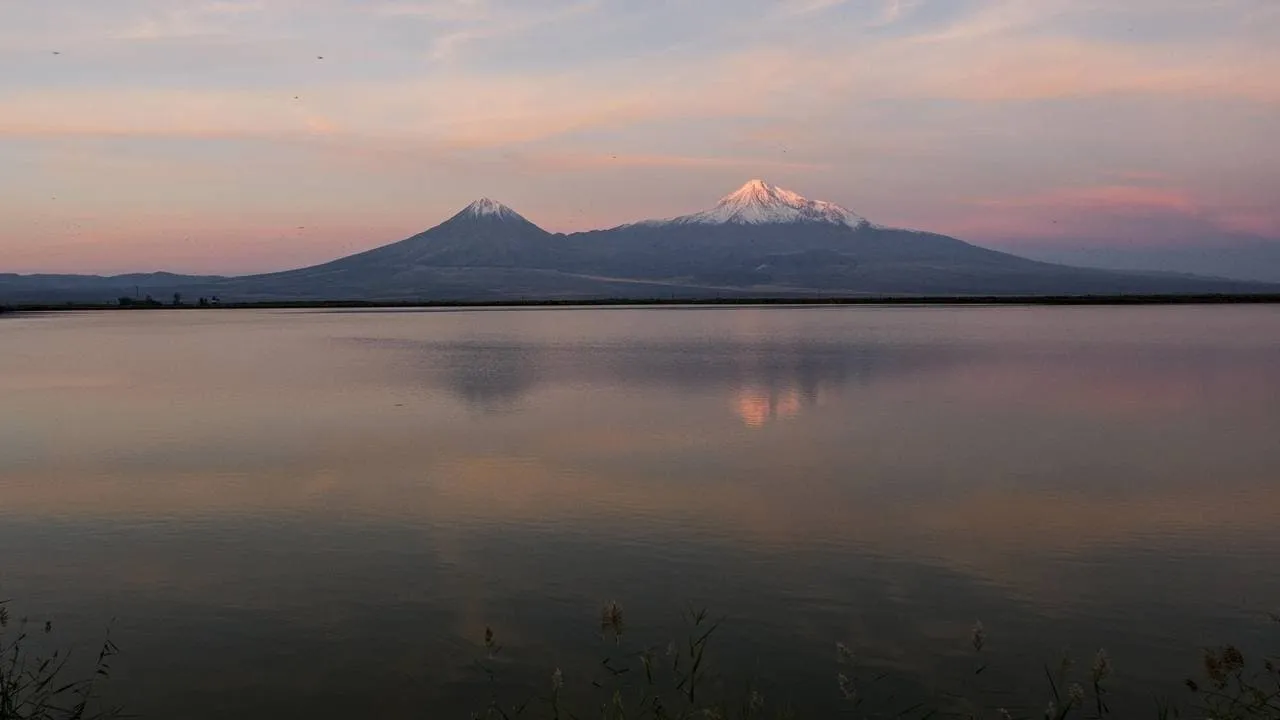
(1109, 197)
(1251, 222)
(1114, 214)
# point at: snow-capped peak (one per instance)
(484, 207)
(759, 203)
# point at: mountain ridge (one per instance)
(757, 240)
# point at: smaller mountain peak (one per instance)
(489, 209)
(485, 206)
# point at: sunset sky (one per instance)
(247, 135)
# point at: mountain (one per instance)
(774, 240)
(760, 240)
(483, 234)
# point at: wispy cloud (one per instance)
(804, 7)
(892, 12)
(459, 23)
(437, 10)
(189, 20)
(572, 161)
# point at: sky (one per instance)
(230, 136)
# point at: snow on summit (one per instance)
(759, 203)
(484, 207)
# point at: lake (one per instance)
(317, 514)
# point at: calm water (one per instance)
(317, 513)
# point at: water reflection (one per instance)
(277, 500)
(759, 406)
(760, 380)
(490, 377)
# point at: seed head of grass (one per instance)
(1220, 665)
(844, 656)
(846, 687)
(1101, 666)
(611, 620)
(979, 637)
(490, 642)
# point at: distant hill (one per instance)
(760, 240)
(1243, 257)
(51, 288)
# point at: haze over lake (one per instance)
(308, 513)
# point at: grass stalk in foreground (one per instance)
(36, 686)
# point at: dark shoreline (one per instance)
(1095, 300)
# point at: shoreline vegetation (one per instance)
(41, 682)
(895, 300)
(680, 681)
